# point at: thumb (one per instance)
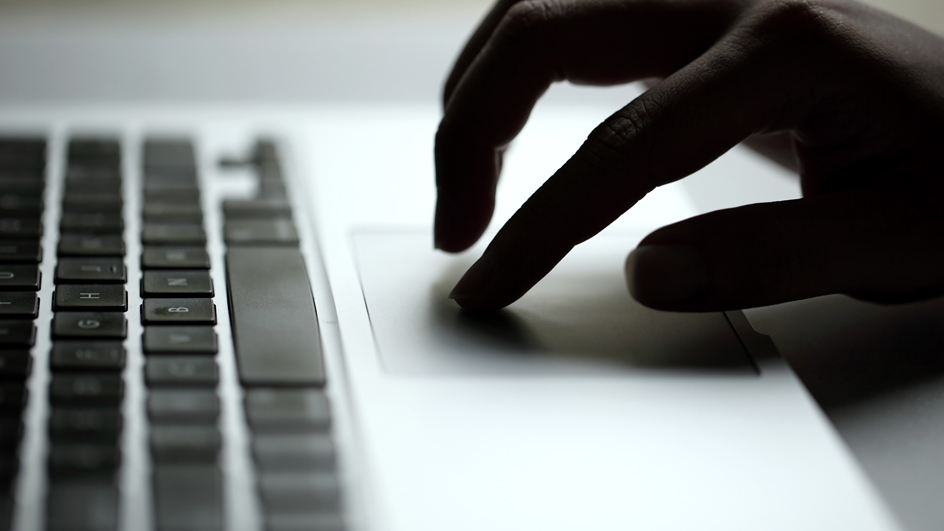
(869, 243)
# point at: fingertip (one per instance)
(666, 276)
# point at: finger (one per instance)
(474, 45)
(671, 131)
(871, 243)
(536, 43)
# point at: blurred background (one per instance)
(238, 50)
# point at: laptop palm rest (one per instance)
(579, 320)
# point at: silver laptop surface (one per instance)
(242, 324)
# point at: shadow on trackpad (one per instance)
(579, 320)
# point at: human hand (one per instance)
(860, 93)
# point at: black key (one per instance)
(22, 277)
(180, 340)
(165, 190)
(101, 389)
(169, 234)
(181, 371)
(183, 405)
(91, 245)
(273, 453)
(271, 189)
(89, 325)
(20, 204)
(170, 177)
(173, 213)
(83, 459)
(104, 185)
(92, 222)
(6, 510)
(87, 356)
(274, 324)
(256, 208)
(11, 430)
(15, 364)
(287, 410)
(260, 231)
(12, 397)
(111, 203)
(81, 505)
(296, 493)
(188, 497)
(98, 425)
(171, 444)
(102, 151)
(308, 521)
(175, 258)
(22, 157)
(169, 152)
(103, 297)
(12, 251)
(19, 304)
(17, 333)
(91, 270)
(9, 466)
(21, 227)
(179, 311)
(177, 283)
(178, 196)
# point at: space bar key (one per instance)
(272, 311)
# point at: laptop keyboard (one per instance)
(271, 312)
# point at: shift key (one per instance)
(275, 329)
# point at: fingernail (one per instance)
(476, 279)
(666, 273)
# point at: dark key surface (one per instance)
(11, 430)
(9, 466)
(169, 152)
(175, 258)
(179, 311)
(13, 397)
(188, 497)
(22, 155)
(172, 233)
(173, 212)
(87, 356)
(274, 325)
(99, 151)
(74, 505)
(29, 227)
(104, 297)
(271, 189)
(256, 208)
(101, 425)
(170, 177)
(17, 333)
(177, 283)
(110, 203)
(15, 364)
(298, 452)
(180, 340)
(306, 521)
(185, 443)
(92, 222)
(183, 405)
(189, 196)
(279, 231)
(82, 389)
(17, 203)
(91, 271)
(287, 492)
(19, 304)
(20, 277)
(287, 410)
(181, 371)
(91, 245)
(89, 325)
(83, 459)
(6, 511)
(20, 252)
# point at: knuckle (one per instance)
(526, 21)
(798, 19)
(609, 145)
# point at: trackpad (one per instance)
(580, 319)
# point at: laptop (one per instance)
(233, 318)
